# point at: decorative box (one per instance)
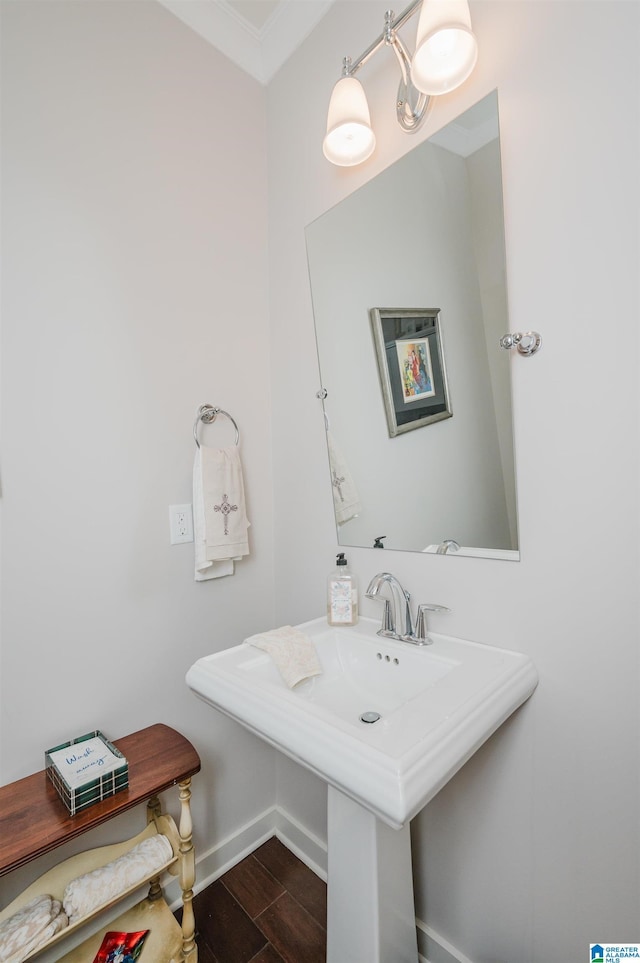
(86, 770)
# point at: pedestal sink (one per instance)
(386, 725)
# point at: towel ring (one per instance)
(207, 414)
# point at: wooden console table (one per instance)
(34, 821)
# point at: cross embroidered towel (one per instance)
(346, 500)
(219, 512)
(292, 651)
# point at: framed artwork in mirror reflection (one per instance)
(411, 366)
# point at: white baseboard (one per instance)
(434, 948)
(307, 847)
(212, 864)
(272, 822)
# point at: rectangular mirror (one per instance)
(422, 242)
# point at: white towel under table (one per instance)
(95, 889)
(33, 925)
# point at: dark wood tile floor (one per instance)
(270, 908)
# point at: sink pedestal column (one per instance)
(370, 907)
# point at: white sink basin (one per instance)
(437, 705)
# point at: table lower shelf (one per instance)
(163, 944)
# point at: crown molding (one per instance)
(259, 52)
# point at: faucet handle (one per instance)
(388, 623)
(422, 635)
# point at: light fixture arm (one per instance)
(390, 25)
(411, 105)
(391, 39)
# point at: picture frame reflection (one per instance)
(411, 367)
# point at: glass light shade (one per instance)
(446, 49)
(349, 139)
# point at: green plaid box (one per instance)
(86, 770)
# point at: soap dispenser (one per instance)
(342, 595)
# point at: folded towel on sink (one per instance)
(292, 651)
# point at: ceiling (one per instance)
(257, 35)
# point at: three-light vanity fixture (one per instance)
(446, 53)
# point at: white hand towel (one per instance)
(292, 651)
(346, 500)
(219, 512)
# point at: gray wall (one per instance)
(532, 849)
(134, 205)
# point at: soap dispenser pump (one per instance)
(342, 595)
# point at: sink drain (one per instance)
(369, 717)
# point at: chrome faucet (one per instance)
(400, 598)
(449, 545)
(400, 607)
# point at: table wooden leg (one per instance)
(153, 810)
(187, 873)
